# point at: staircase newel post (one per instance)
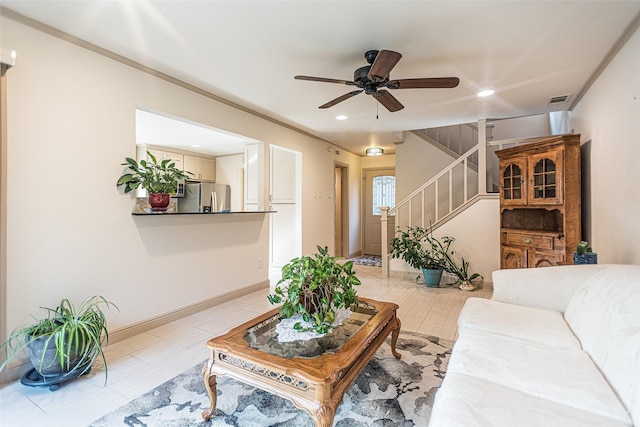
(384, 240)
(482, 157)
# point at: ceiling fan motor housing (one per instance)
(361, 75)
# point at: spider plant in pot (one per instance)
(160, 179)
(315, 287)
(66, 342)
(421, 250)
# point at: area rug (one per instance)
(388, 392)
(370, 260)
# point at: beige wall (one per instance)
(71, 122)
(609, 116)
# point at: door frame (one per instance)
(363, 199)
(298, 202)
(344, 203)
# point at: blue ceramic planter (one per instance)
(588, 258)
(432, 277)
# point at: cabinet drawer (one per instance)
(531, 240)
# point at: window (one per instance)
(384, 192)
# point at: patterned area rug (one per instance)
(388, 392)
(370, 260)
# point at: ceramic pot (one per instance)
(432, 277)
(466, 285)
(587, 258)
(159, 201)
(42, 353)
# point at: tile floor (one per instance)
(141, 363)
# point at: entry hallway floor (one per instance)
(142, 362)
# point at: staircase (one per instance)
(456, 187)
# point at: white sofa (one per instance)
(555, 346)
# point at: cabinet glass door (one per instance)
(546, 179)
(513, 182)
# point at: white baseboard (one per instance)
(145, 325)
(16, 368)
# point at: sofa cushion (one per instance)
(546, 327)
(605, 316)
(474, 402)
(566, 376)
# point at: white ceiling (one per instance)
(249, 51)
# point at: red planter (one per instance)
(159, 201)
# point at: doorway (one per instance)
(341, 227)
(285, 194)
(379, 190)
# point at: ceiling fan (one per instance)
(373, 78)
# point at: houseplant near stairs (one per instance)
(159, 179)
(418, 248)
(462, 273)
(315, 286)
(63, 345)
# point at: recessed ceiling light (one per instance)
(341, 117)
(195, 145)
(486, 92)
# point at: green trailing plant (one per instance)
(78, 335)
(583, 248)
(315, 286)
(420, 249)
(153, 176)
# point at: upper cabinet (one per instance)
(162, 155)
(203, 168)
(540, 202)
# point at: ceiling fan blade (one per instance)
(426, 83)
(383, 64)
(322, 79)
(389, 101)
(340, 99)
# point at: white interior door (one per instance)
(285, 194)
(380, 190)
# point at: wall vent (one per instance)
(559, 99)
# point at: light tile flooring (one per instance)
(141, 363)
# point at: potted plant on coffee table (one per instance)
(160, 179)
(315, 287)
(421, 250)
(64, 344)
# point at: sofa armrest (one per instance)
(549, 287)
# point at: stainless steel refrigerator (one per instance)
(205, 197)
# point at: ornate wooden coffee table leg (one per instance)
(210, 384)
(394, 338)
(323, 417)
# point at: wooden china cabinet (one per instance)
(540, 202)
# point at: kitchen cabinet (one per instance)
(162, 155)
(540, 202)
(203, 168)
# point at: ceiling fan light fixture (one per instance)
(484, 93)
(342, 117)
(374, 151)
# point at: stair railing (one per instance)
(434, 216)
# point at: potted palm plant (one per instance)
(64, 344)
(421, 250)
(160, 179)
(315, 287)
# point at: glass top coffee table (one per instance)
(313, 374)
